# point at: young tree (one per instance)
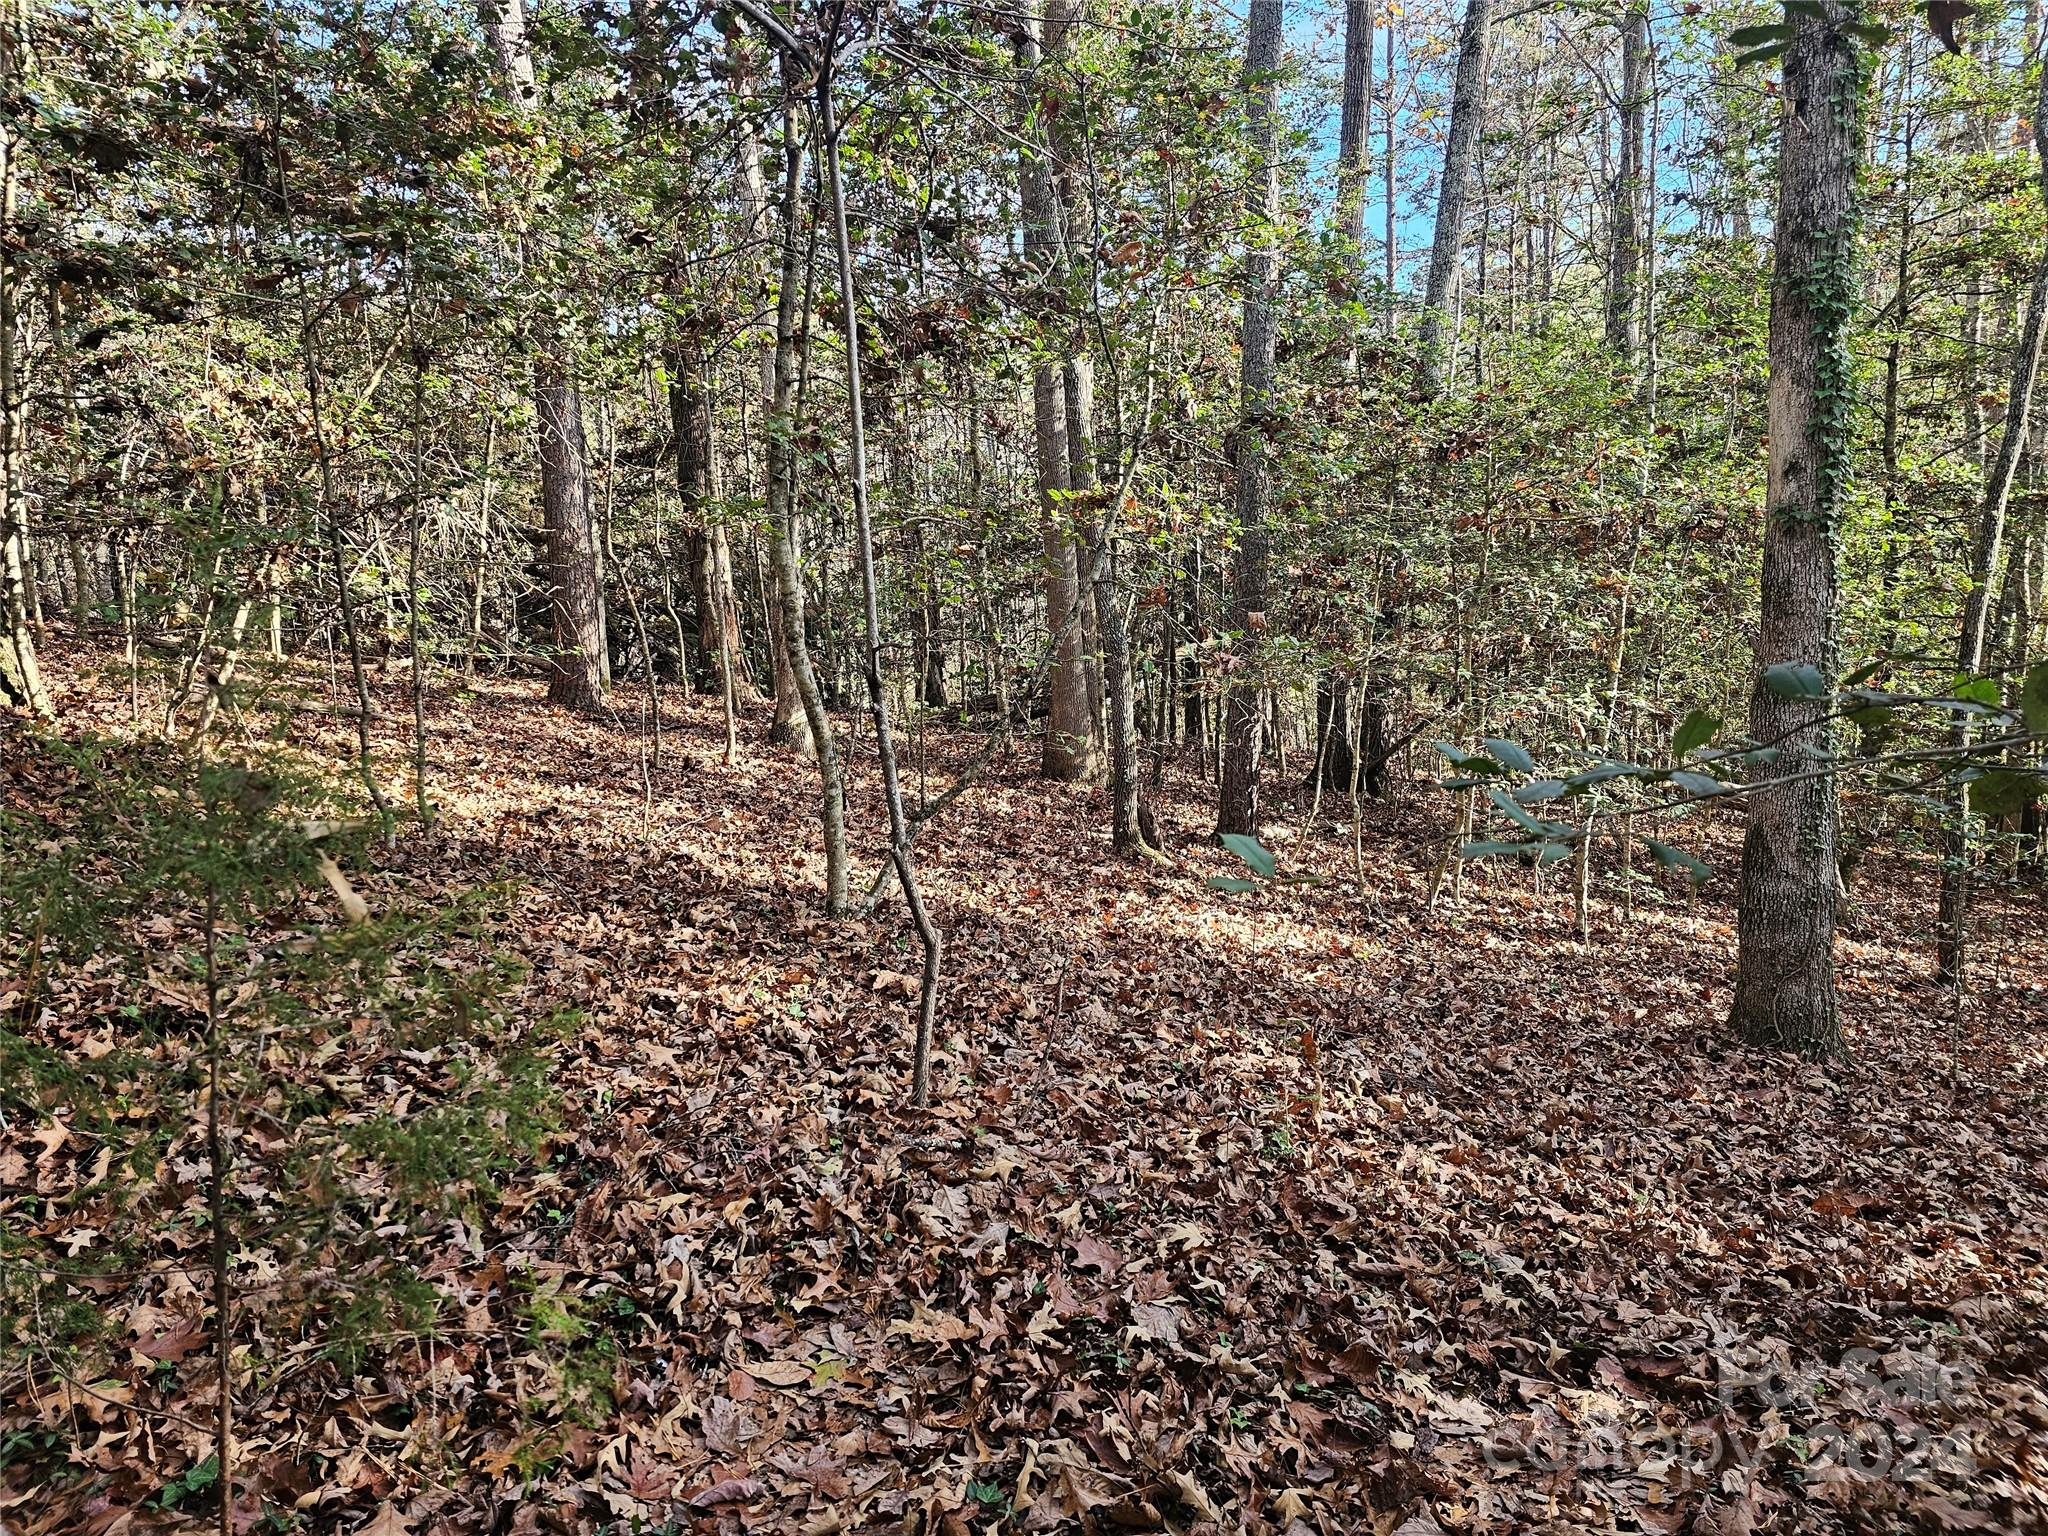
(1244, 717)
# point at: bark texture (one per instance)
(1468, 108)
(1785, 980)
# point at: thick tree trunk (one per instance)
(1237, 808)
(576, 678)
(1468, 109)
(1785, 981)
(1952, 928)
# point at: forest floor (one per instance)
(1303, 1210)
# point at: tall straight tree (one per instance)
(1951, 934)
(1244, 713)
(21, 677)
(1468, 109)
(576, 674)
(1353, 120)
(1785, 978)
(1070, 750)
(1626, 207)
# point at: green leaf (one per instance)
(1759, 55)
(1698, 783)
(1870, 33)
(1866, 672)
(1600, 773)
(2034, 697)
(1494, 849)
(1231, 883)
(2005, 792)
(1694, 732)
(1754, 37)
(1511, 754)
(1550, 853)
(1978, 690)
(1678, 858)
(1252, 852)
(1538, 790)
(1515, 813)
(1457, 758)
(1796, 680)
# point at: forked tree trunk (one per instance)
(1468, 108)
(1237, 808)
(1785, 978)
(1952, 929)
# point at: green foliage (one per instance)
(176, 930)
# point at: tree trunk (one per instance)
(780, 428)
(1468, 108)
(1354, 118)
(1625, 225)
(1953, 922)
(576, 676)
(1237, 808)
(1785, 982)
(21, 676)
(1069, 752)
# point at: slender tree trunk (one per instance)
(791, 310)
(1625, 232)
(576, 672)
(1390, 168)
(1785, 981)
(1468, 109)
(885, 750)
(1354, 118)
(1237, 808)
(1069, 752)
(1952, 929)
